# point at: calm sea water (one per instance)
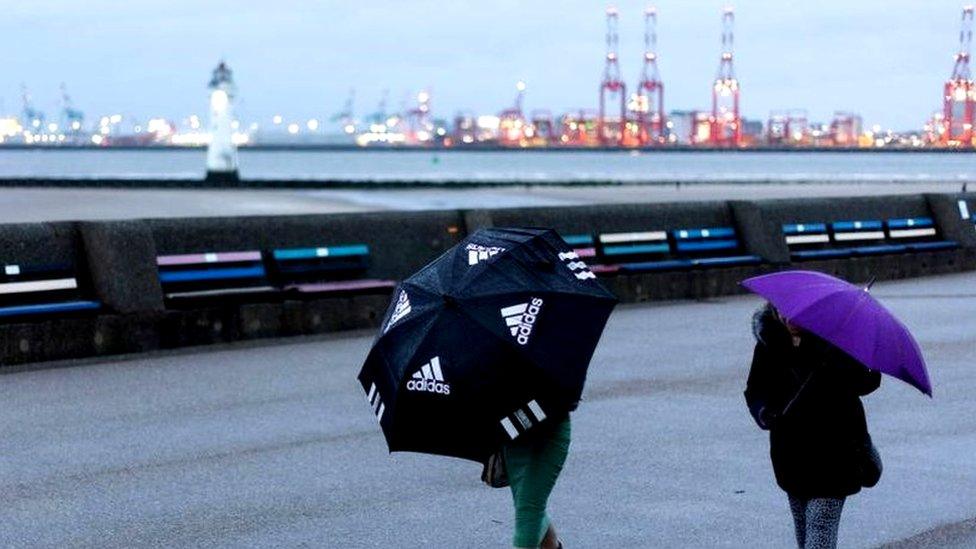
(508, 166)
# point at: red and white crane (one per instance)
(959, 94)
(649, 99)
(726, 124)
(612, 118)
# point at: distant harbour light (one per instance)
(293, 128)
(312, 124)
(276, 119)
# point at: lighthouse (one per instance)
(222, 153)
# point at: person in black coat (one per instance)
(806, 393)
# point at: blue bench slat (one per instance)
(664, 265)
(45, 308)
(630, 249)
(880, 249)
(714, 232)
(910, 222)
(829, 253)
(707, 245)
(212, 274)
(578, 239)
(313, 253)
(727, 260)
(794, 228)
(936, 245)
(852, 225)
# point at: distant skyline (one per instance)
(886, 60)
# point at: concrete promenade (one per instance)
(273, 445)
(41, 204)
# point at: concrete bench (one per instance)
(617, 250)
(32, 290)
(811, 241)
(326, 270)
(918, 234)
(716, 246)
(212, 275)
(660, 250)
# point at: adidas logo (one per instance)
(375, 402)
(429, 379)
(401, 310)
(521, 318)
(478, 253)
(575, 264)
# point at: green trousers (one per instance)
(533, 465)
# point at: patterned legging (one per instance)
(816, 521)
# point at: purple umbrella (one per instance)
(848, 317)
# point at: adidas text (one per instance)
(429, 379)
(521, 319)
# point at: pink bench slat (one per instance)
(222, 257)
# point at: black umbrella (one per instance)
(485, 343)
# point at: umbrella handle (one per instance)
(797, 395)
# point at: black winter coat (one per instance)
(808, 397)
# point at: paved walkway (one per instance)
(274, 446)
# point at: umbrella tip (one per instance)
(870, 283)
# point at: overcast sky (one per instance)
(884, 59)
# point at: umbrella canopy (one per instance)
(848, 317)
(485, 343)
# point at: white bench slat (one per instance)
(39, 286)
(807, 239)
(864, 235)
(909, 233)
(647, 236)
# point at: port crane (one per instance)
(72, 119)
(612, 118)
(33, 119)
(726, 124)
(959, 93)
(649, 99)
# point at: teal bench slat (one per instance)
(714, 232)
(803, 228)
(646, 266)
(910, 223)
(856, 225)
(630, 249)
(315, 253)
(707, 245)
(47, 308)
(727, 260)
(212, 274)
(578, 239)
